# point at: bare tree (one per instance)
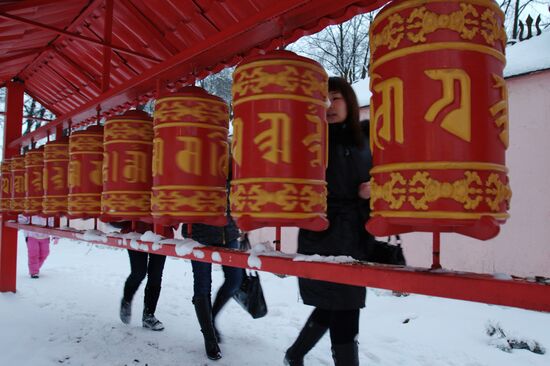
(343, 49)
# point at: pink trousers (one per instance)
(38, 252)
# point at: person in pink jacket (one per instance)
(38, 245)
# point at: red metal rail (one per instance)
(519, 293)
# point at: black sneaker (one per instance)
(35, 275)
(150, 322)
(125, 311)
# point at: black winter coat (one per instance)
(348, 167)
(213, 235)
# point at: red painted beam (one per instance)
(77, 36)
(454, 285)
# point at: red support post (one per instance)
(8, 235)
(436, 249)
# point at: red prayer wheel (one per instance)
(5, 200)
(34, 184)
(190, 157)
(56, 162)
(17, 185)
(127, 179)
(439, 119)
(279, 142)
(85, 173)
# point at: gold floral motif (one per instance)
(254, 197)
(140, 130)
(86, 143)
(390, 36)
(393, 191)
(18, 164)
(428, 22)
(199, 201)
(431, 190)
(422, 189)
(17, 204)
(54, 204)
(33, 204)
(291, 79)
(197, 111)
(467, 22)
(34, 158)
(114, 202)
(54, 152)
(84, 204)
(491, 28)
(499, 192)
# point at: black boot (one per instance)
(308, 337)
(219, 303)
(125, 311)
(203, 309)
(345, 354)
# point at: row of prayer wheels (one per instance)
(438, 151)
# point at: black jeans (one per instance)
(342, 324)
(202, 276)
(142, 264)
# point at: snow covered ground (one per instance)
(69, 316)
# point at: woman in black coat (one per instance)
(337, 306)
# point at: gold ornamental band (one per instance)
(278, 180)
(437, 46)
(185, 99)
(50, 145)
(86, 152)
(73, 212)
(284, 62)
(271, 96)
(189, 124)
(55, 160)
(188, 213)
(128, 120)
(190, 187)
(438, 165)
(385, 13)
(278, 215)
(34, 166)
(439, 214)
(125, 213)
(128, 142)
(84, 195)
(76, 136)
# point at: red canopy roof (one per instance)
(60, 49)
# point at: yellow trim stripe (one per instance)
(285, 62)
(182, 99)
(460, 46)
(126, 192)
(198, 188)
(277, 215)
(128, 142)
(439, 214)
(438, 165)
(128, 120)
(190, 213)
(189, 124)
(277, 180)
(299, 98)
(385, 13)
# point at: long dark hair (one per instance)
(353, 126)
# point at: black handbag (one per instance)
(251, 296)
(387, 253)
